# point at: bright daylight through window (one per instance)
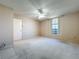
(55, 26)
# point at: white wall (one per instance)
(17, 29)
(69, 28)
(30, 28)
(6, 25)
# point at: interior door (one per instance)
(17, 29)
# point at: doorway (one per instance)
(17, 29)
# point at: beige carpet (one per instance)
(41, 48)
(45, 48)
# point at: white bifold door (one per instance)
(17, 29)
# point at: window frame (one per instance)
(58, 26)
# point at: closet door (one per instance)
(17, 29)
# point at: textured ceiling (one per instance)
(52, 7)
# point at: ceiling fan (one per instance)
(40, 11)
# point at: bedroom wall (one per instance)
(30, 28)
(6, 25)
(69, 28)
(69, 25)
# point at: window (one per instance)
(55, 26)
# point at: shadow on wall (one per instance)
(74, 39)
(69, 28)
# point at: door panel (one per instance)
(17, 29)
